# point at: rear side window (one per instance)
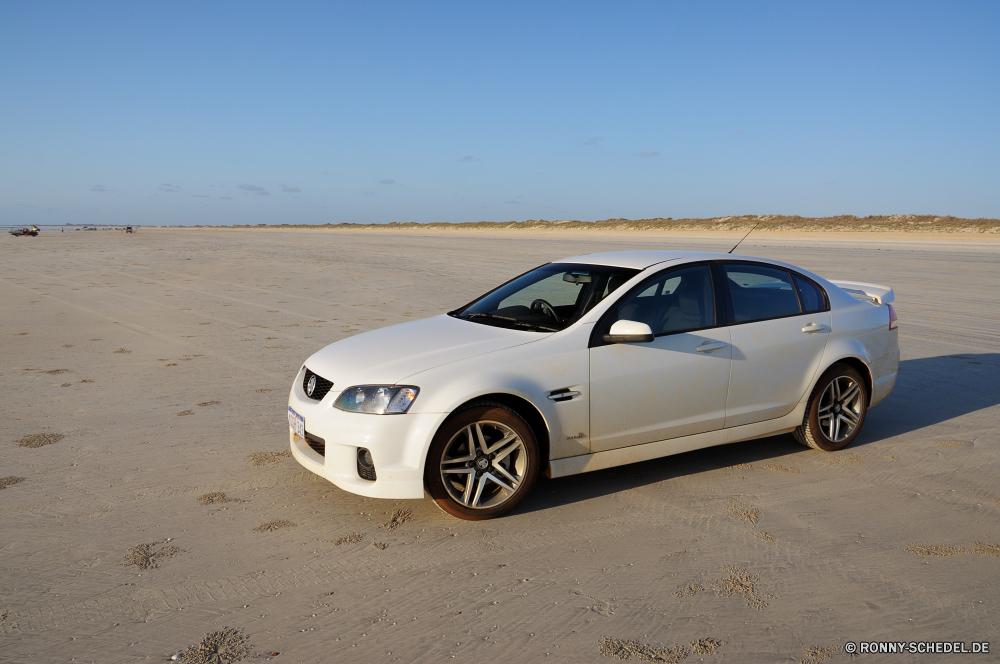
(809, 294)
(758, 292)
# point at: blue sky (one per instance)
(246, 113)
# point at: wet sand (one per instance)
(144, 383)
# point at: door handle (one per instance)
(815, 327)
(709, 346)
(564, 394)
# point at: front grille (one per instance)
(317, 443)
(322, 386)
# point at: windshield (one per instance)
(547, 299)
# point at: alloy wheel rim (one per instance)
(840, 409)
(483, 464)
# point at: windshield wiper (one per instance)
(535, 326)
(506, 319)
(513, 321)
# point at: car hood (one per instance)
(387, 356)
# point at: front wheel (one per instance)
(482, 462)
(837, 409)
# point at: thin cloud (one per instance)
(252, 188)
(169, 188)
(593, 140)
(387, 182)
(468, 157)
(200, 196)
(290, 190)
(644, 155)
(99, 187)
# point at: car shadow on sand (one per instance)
(929, 391)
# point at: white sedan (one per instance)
(591, 362)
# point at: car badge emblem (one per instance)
(311, 387)
(482, 463)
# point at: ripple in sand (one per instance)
(35, 440)
(941, 551)
(398, 518)
(225, 646)
(353, 538)
(265, 458)
(626, 650)
(8, 481)
(820, 654)
(216, 498)
(743, 583)
(271, 526)
(144, 557)
(742, 511)
(782, 469)
(691, 590)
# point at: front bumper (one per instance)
(398, 444)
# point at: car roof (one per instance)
(641, 259)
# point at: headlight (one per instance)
(377, 399)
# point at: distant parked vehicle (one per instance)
(592, 362)
(21, 232)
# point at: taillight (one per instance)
(893, 322)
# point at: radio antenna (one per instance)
(744, 237)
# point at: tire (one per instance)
(840, 400)
(493, 478)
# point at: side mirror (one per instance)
(629, 332)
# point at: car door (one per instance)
(675, 385)
(780, 322)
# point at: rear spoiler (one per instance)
(868, 292)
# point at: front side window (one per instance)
(758, 292)
(679, 301)
(547, 299)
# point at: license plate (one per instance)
(296, 423)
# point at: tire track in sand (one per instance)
(139, 604)
(85, 503)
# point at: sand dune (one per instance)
(149, 506)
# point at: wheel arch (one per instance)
(860, 366)
(525, 409)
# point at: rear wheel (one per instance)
(482, 462)
(836, 411)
